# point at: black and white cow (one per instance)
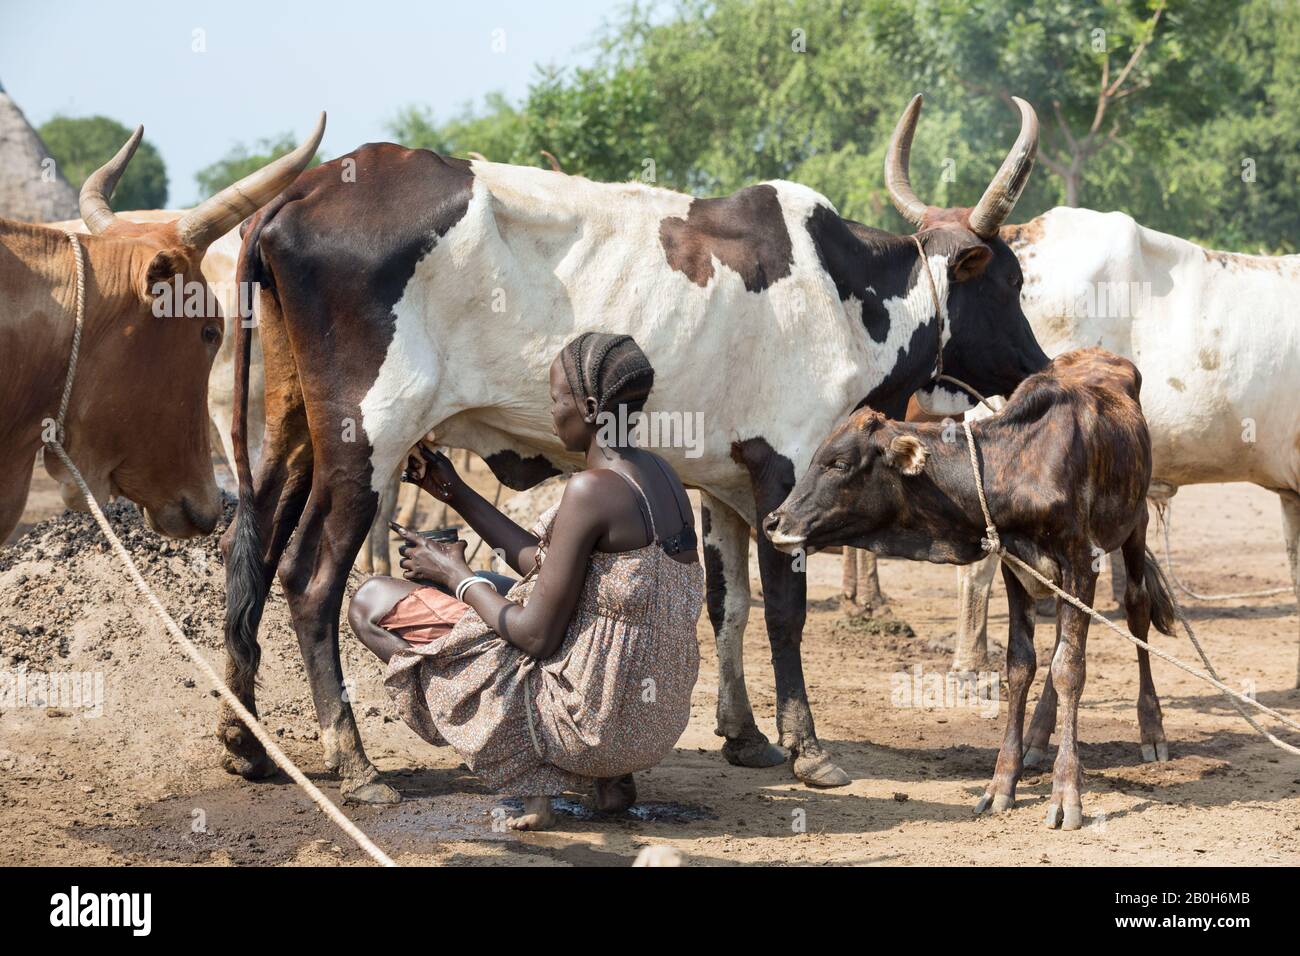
(405, 292)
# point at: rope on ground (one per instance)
(227, 695)
(1164, 514)
(993, 544)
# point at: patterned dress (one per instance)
(612, 700)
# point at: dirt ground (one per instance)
(139, 783)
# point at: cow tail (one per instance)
(246, 579)
(1163, 615)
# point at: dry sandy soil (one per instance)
(140, 783)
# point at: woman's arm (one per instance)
(538, 627)
(437, 475)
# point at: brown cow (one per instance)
(137, 420)
(1065, 468)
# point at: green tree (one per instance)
(1104, 76)
(496, 131)
(242, 160)
(1183, 113)
(80, 145)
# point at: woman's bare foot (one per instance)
(537, 815)
(615, 794)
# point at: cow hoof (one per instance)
(1073, 818)
(1054, 816)
(755, 751)
(373, 792)
(816, 770)
(258, 768)
(998, 803)
(1155, 753)
(1035, 757)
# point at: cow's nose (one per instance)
(771, 521)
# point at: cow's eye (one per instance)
(839, 464)
(211, 334)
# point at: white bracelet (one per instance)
(467, 584)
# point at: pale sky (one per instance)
(271, 66)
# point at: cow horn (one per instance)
(896, 160)
(216, 216)
(99, 185)
(1000, 198)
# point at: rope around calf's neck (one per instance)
(992, 543)
(280, 758)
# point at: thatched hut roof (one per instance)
(29, 191)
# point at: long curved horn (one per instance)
(99, 185)
(1000, 198)
(555, 163)
(897, 180)
(216, 216)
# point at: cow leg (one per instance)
(314, 574)
(1043, 723)
(374, 557)
(860, 584)
(15, 484)
(974, 585)
(1291, 528)
(1137, 608)
(849, 580)
(280, 487)
(871, 597)
(1119, 576)
(726, 573)
(1021, 664)
(1065, 809)
(785, 606)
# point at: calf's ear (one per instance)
(907, 454)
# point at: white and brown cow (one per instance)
(136, 424)
(432, 293)
(1216, 336)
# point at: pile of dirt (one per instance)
(53, 579)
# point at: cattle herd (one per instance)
(392, 293)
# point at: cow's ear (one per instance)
(907, 454)
(969, 262)
(162, 267)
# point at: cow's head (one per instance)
(857, 486)
(137, 424)
(987, 341)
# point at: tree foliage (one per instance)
(242, 160)
(1184, 113)
(80, 145)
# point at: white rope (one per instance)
(1164, 514)
(993, 544)
(227, 695)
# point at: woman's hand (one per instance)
(431, 562)
(433, 472)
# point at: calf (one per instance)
(1065, 469)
